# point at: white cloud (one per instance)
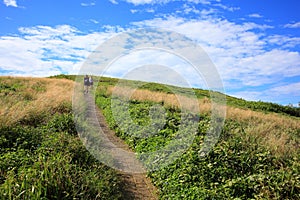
(255, 15)
(44, 50)
(248, 95)
(147, 10)
(189, 9)
(231, 9)
(293, 25)
(113, 1)
(43, 32)
(238, 50)
(133, 11)
(12, 3)
(267, 67)
(88, 4)
(290, 89)
(143, 2)
(204, 13)
(157, 60)
(283, 41)
(94, 21)
(284, 94)
(207, 2)
(150, 10)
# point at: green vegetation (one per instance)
(256, 156)
(41, 156)
(64, 76)
(244, 164)
(264, 106)
(50, 162)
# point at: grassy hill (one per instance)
(41, 156)
(200, 93)
(256, 157)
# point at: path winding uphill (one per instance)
(135, 185)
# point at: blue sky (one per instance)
(253, 44)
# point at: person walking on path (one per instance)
(86, 82)
(91, 82)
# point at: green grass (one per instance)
(50, 162)
(264, 106)
(64, 76)
(240, 166)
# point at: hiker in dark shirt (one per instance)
(86, 84)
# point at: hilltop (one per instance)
(200, 93)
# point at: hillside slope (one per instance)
(256, 156)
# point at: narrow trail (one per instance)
(135, 186)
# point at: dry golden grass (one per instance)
(170, 100)
(32, 97)
(273, 130)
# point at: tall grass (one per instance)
(280, 133)
(41, 155)
(30, 100)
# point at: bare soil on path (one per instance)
(135, 186)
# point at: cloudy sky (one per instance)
(253, 44)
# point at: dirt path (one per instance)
(135, 185)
